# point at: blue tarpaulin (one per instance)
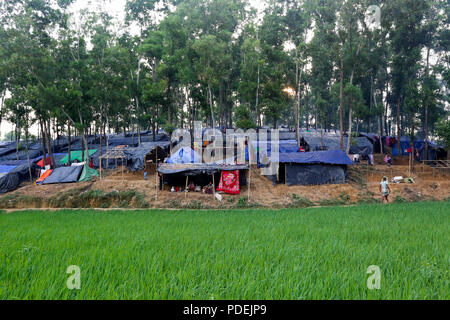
(6, 169)
(324, 157)
(185, 155)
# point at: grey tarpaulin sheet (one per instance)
(15, 177)
(313, 174)
(136, 156)
(360, 145)
(9, 182)
(192, 169)
(64, 175)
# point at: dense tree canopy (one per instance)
(318, 63)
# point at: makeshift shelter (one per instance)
(48, 161)
(87, 174)
(9, 182)
(312, 168)
(137, 157)
(44, 176)
(419, 146)
(64, 175)
(114, 154)
(185, 155)
(77, 156)
(199, 173)
(264, 149)
(6, 169)
(359, 145)
(21, 155)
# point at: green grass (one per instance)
(314, 253)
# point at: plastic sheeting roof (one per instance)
(185, 155)
(136, 156)
(64, 175)
(191, 169)
(338, 157)
(6, 169)
(360, 145)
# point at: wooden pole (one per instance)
(101, 160)
(214, 187)
(156, 174)
(249, 180)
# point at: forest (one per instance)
(350, 65)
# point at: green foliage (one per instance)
(243, 118)
(443, 132)
(300, 202)
(210, 61)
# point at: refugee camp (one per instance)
(224, 150)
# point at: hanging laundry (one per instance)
(229, 182)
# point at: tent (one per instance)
(64, 175)
(58, 157)
(136, 157)
(44, 176)
(6, 168)
(199, 173)
(9, 182)
(87, 173)
(185, 155)
(312, 168)
(77, 155)
(419, 145)
(359, 145)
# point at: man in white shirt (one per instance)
(384, 189)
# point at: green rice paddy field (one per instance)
(315, 253)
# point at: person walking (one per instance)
(385, 190)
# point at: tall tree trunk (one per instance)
(69, 147)
(43, 143)
(1, 111)
(28, 154)
(138, 115)
(48, 143)
(17, 138)
(349, 120)
(341, 104)
(258, 120)
(221, 113)
(426, 107)
(101, 128)
(398, 126)
(155, 107)
(213, 122)
(297, 108)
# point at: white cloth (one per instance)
(384, 187)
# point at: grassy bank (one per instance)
(315, 253)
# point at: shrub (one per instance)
(399, 199)
(194, 204)
(299, 202)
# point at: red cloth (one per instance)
(41, 164)
(44, 176)
(229, 182)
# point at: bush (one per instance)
(194, 204)
(299, 202)
(243, 203)
(399, 199)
